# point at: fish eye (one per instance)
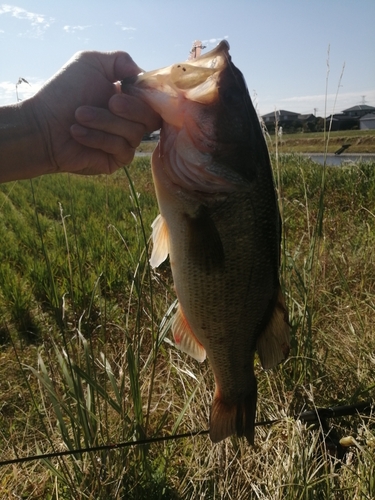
(233, 96)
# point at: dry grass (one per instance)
(110, 374)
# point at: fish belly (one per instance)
(224, 258)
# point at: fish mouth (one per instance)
(197, 100)
(196, 79)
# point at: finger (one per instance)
(114, 145)
(105, 121)
(124, 65)
(116, 65)
(135, 110)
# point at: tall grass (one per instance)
(86, 358)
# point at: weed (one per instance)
(86, 358)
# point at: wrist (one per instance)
(23, 148)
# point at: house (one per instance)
(349, 118)
(283, 117)
(358, 111)
(290, 121)
(340, 121)
(367, 122)
(356, 117)
(286, 120)
(310, 118)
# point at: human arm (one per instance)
(68, 126)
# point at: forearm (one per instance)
(23, 152)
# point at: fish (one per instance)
(220, 225)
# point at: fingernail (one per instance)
(78, 131)
(85, 113)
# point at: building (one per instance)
(287, 120)
(310, 118)
(358, 111)
(367, 122)
(283, 117)
(349, 118)
(340, 121)
(356, 117)
(290, 121)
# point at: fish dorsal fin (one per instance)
(273, 345)
(185, 339)
(160, 238)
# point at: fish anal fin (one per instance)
(185, 339)
(273, 344)
(160, 238)
(237, 417)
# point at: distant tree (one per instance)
(319, 124)
(309, 126)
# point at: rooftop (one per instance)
(359, 107)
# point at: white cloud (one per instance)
(215, 41)
(327, 104)
(125, 28)
(330, 97)
(39, 23)
(73, 29)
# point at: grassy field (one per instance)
(86, 360)
(361, 141)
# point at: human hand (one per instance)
(81, 91)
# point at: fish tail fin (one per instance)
(236, 417)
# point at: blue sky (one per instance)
(280, 46)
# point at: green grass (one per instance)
(361, 141)
(85, 356)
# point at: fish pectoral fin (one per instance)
(185, 339)
(236, 417)
(160, 238)
(273, 345)
(205, 245)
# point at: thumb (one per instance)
(118, 65)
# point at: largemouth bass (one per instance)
(220, 225)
